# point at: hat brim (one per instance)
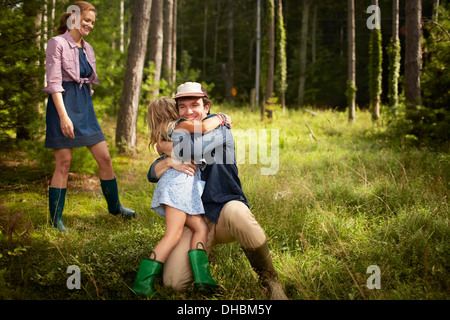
(183, 95)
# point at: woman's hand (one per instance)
(67, 127)
(66, 123)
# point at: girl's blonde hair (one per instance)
(162, 114)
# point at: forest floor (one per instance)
(341, 198)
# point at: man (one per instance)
(226, 207)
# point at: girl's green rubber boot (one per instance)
(148, 270)
(200, 269)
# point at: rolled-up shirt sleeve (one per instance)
(151, 175)
(53, 67)
(199, 147)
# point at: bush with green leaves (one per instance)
(21, 69)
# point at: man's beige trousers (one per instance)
(236, 223)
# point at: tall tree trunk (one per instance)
(351, 82)
(435, 11)
(314, 34)
(45, 36)
(303, 53)
(216, 32)
(38, 24)
(271, 58)
(413, 57)
(45, 25)
(174, 42)
(129, 101)
(168, 40)
(394, 57)
(282, 63)
(395, 20)
(122, 27)
(205, 33)
(156, 42)
(375, 70)
(51, 34)
(314, 43)
(229, 69)
(258, 53)
(53, 19)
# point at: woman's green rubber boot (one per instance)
(200, 269)
(111, 193)
(148, 270)
(56, 199)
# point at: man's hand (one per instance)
(162, 166)
(188, 168)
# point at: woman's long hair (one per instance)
(83, 5)
(162, 113)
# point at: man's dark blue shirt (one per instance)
(215, 153)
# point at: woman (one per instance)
(71, 120)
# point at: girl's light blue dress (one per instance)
(180, 191)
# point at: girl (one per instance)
(71, 120)
(177, 197)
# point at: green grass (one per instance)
(354, 197)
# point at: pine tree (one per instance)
(351, 82)
(413, 57)
(129, 103)
(393, 52)
(282, 61)
(375, 70)
(269, 57)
